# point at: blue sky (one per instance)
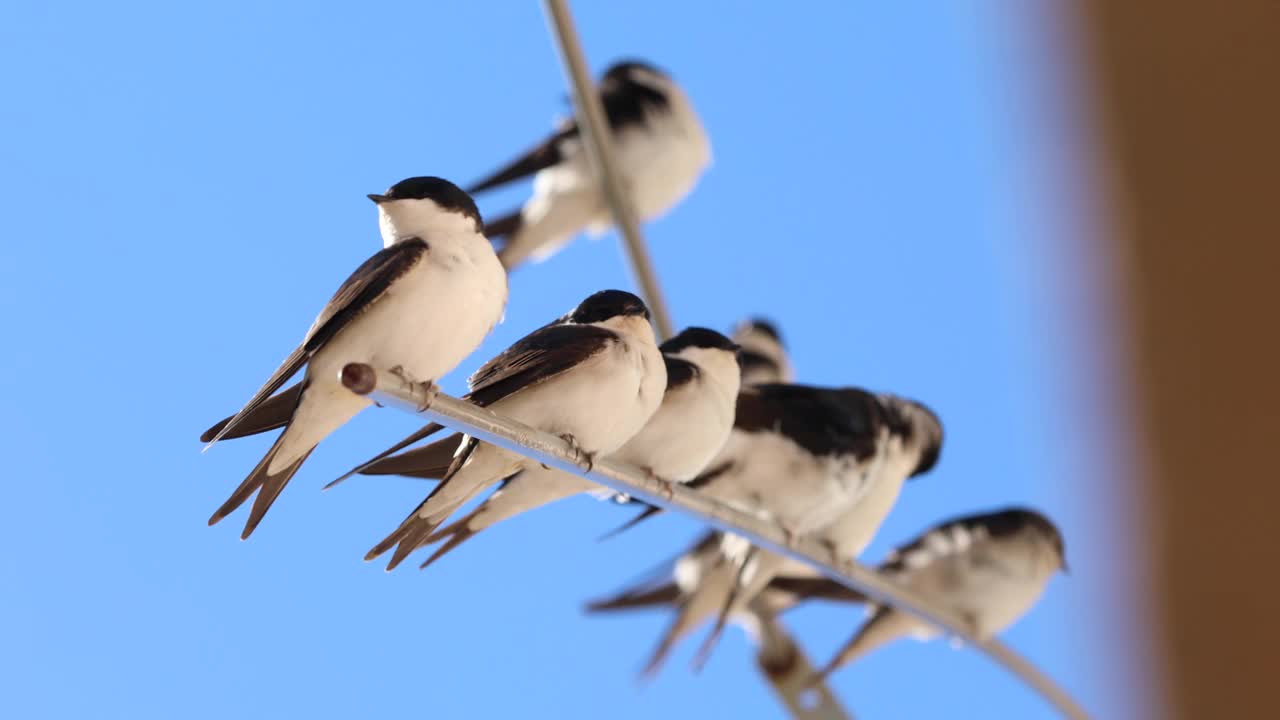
(896, 184)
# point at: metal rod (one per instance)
(599, 144)
(789, 672)
(388, 389)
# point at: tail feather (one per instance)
(424, 431)
(456, 537)
(737, 590)
(884, 627)
(662, 595)
(455, 490)
(268, 486)
(405, 539)
(649, 512)
(429, 461)
(503, 227)
(697, 607)
(411, 535)
(272, 413)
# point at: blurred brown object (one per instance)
(1189, 102)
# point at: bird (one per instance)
(989, 569)
(764, 357)
(418, 307)
(593, 377)
(660, 149)
(803, 457)
(682, 436)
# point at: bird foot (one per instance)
(425, 389)
(668, 487)
(580, 457)
(428, 391)
(832, 550)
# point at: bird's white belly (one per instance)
(598, 402)
(996, 597)
(662, 166)
(775, 477)
(427, 323)
(680, 439)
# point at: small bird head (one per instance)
(920, 428)
(632, 90)
(633, 72)
(1052, 536)
(759, 326)
(764, 357)
(423, 207)
(699, 338)
(1028, 523)
(608, 305)
(712, 352)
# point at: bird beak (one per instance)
(378, 199)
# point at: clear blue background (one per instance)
(182, 187)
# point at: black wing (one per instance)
(823, 421)
(274, 412)
(544, 155)
(679, 371)
(625, 103)
(365, 285)
(536, 358)
(750, 360)
(941, 540)
(360, 290)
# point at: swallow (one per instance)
(660, 149)
(764, 357)
(804, 457)
(418, 306)
(989, 569)
(594, 378)
(688, 429)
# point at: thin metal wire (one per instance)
(599, 144)
(389, 389)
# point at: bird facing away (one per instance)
(677, 442)
(804, 457)
(764, 357)
(989, 569)
(418, 307)
(594, 378)
(660, 149)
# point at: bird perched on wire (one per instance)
(989, 569)
(418, 307)
(847, 537)
(660, 149)
(593, 377)
(764, 357)
(803, 457)
(676, 443)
